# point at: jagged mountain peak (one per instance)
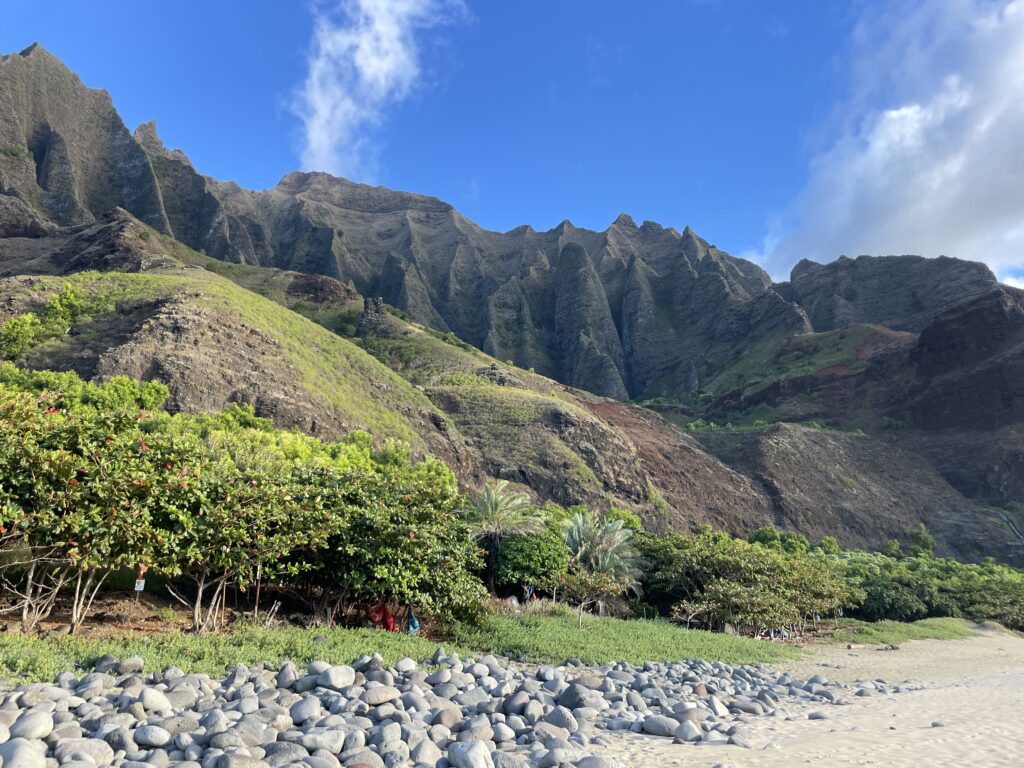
(33, 49)
(29, 50)
(37, 59)
(649, 226)
(624, 220)
(663, 308)
(324, 186)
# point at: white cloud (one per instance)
(927, 151)
(1015, 282)
(365, 55)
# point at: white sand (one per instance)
(975, 687)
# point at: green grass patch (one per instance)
(896, 632)
(15, 152)
(556, 638)
(36, 658)
(541, 638)
(784, 358)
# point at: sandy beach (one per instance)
(973, 687)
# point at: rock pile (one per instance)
(458, 713)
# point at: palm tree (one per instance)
(498, 514)
(603, 546)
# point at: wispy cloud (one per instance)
(926, 153)
(603, 62)
(777, 29)
(365, 55)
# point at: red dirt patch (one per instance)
(839, 369)
(698, 487)
(884, 340)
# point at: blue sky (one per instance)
(776, 130)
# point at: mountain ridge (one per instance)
(558, 329)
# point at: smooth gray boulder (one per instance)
(688, 731)
(305, 709)
(338, 677)
(154, 700)
(151, 736)
(426, 753)
(469, 754)
(380, 694)
(660, 725)
(32, 724)
(22, 753)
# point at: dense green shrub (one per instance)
(67, 392)
(400, 538)
(18, 334)
(712, 579)
(85, 493)
(789, 542)
(779, 578)
(91, 481)
(538, 560)
(918, 586)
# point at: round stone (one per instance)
(469, 754)
(688, 731)
(33, 724)
(21, 753)
(659, 725)
(100, 752)
(337, 677)
(154, 700)
(151, 736)
(380, 694)
(306, 709)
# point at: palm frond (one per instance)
(604, 546)
(500, 512)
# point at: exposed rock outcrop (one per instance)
(900, 292)
(64, 149)
(859, 489)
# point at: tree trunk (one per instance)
(29, 582)
(197, 604)
(492, 564)
(43, 583)
(259, 579)
(85, 593)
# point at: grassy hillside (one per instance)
(211, 325)
(522, 426)
(790, 357)
(337, 311)
(813, 377)
(517, 424)
(505, 412)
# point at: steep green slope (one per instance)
(564, 444)
(322, 299)
(524, 427)
(841, 378)
(212, 342)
